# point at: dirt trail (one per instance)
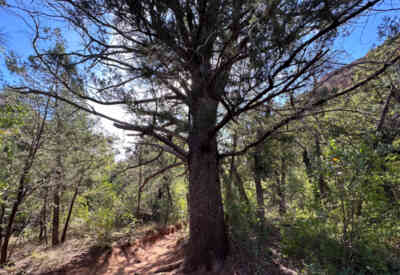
(156, 253)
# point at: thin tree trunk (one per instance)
(323, 187)
(228, 180)
(169, 204)
(35, 144)
(258, 170)
(260, 200)
(317, 179)
(281, 188)
(239, 184)
(3, 211)
(139, 191)
(18, 201)
(208, 243)
(43, 219)
(56, 216)
(71, 206)
(259, 190)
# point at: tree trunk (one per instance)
(71, 206)
(43, 219)
(228, 180)
(169, 204)
(208, 243)
(281, 188)
(56, 216)
(21, 187)
(139, 195)
(18, 201)
(3, 211)
(239, 184)
(259, 192)
(323, 187)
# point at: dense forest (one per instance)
(253, 143)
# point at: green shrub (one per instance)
(322, 252)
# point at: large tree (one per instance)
(188, 68)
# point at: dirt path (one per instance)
(155, 253)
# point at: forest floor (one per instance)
(155, 252)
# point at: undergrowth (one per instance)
(321, 251)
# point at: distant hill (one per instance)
(346, 76)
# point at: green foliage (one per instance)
(102, 210)
(315, 241)
(241, 218)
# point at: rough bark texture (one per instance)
(208, 243)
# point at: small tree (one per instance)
(30, 142)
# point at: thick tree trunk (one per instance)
(71, 206)
(208, 244)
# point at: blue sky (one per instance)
(363, 35)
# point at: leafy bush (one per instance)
(102, 212)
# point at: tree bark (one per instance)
(208, 243)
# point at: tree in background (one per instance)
(29, 142)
